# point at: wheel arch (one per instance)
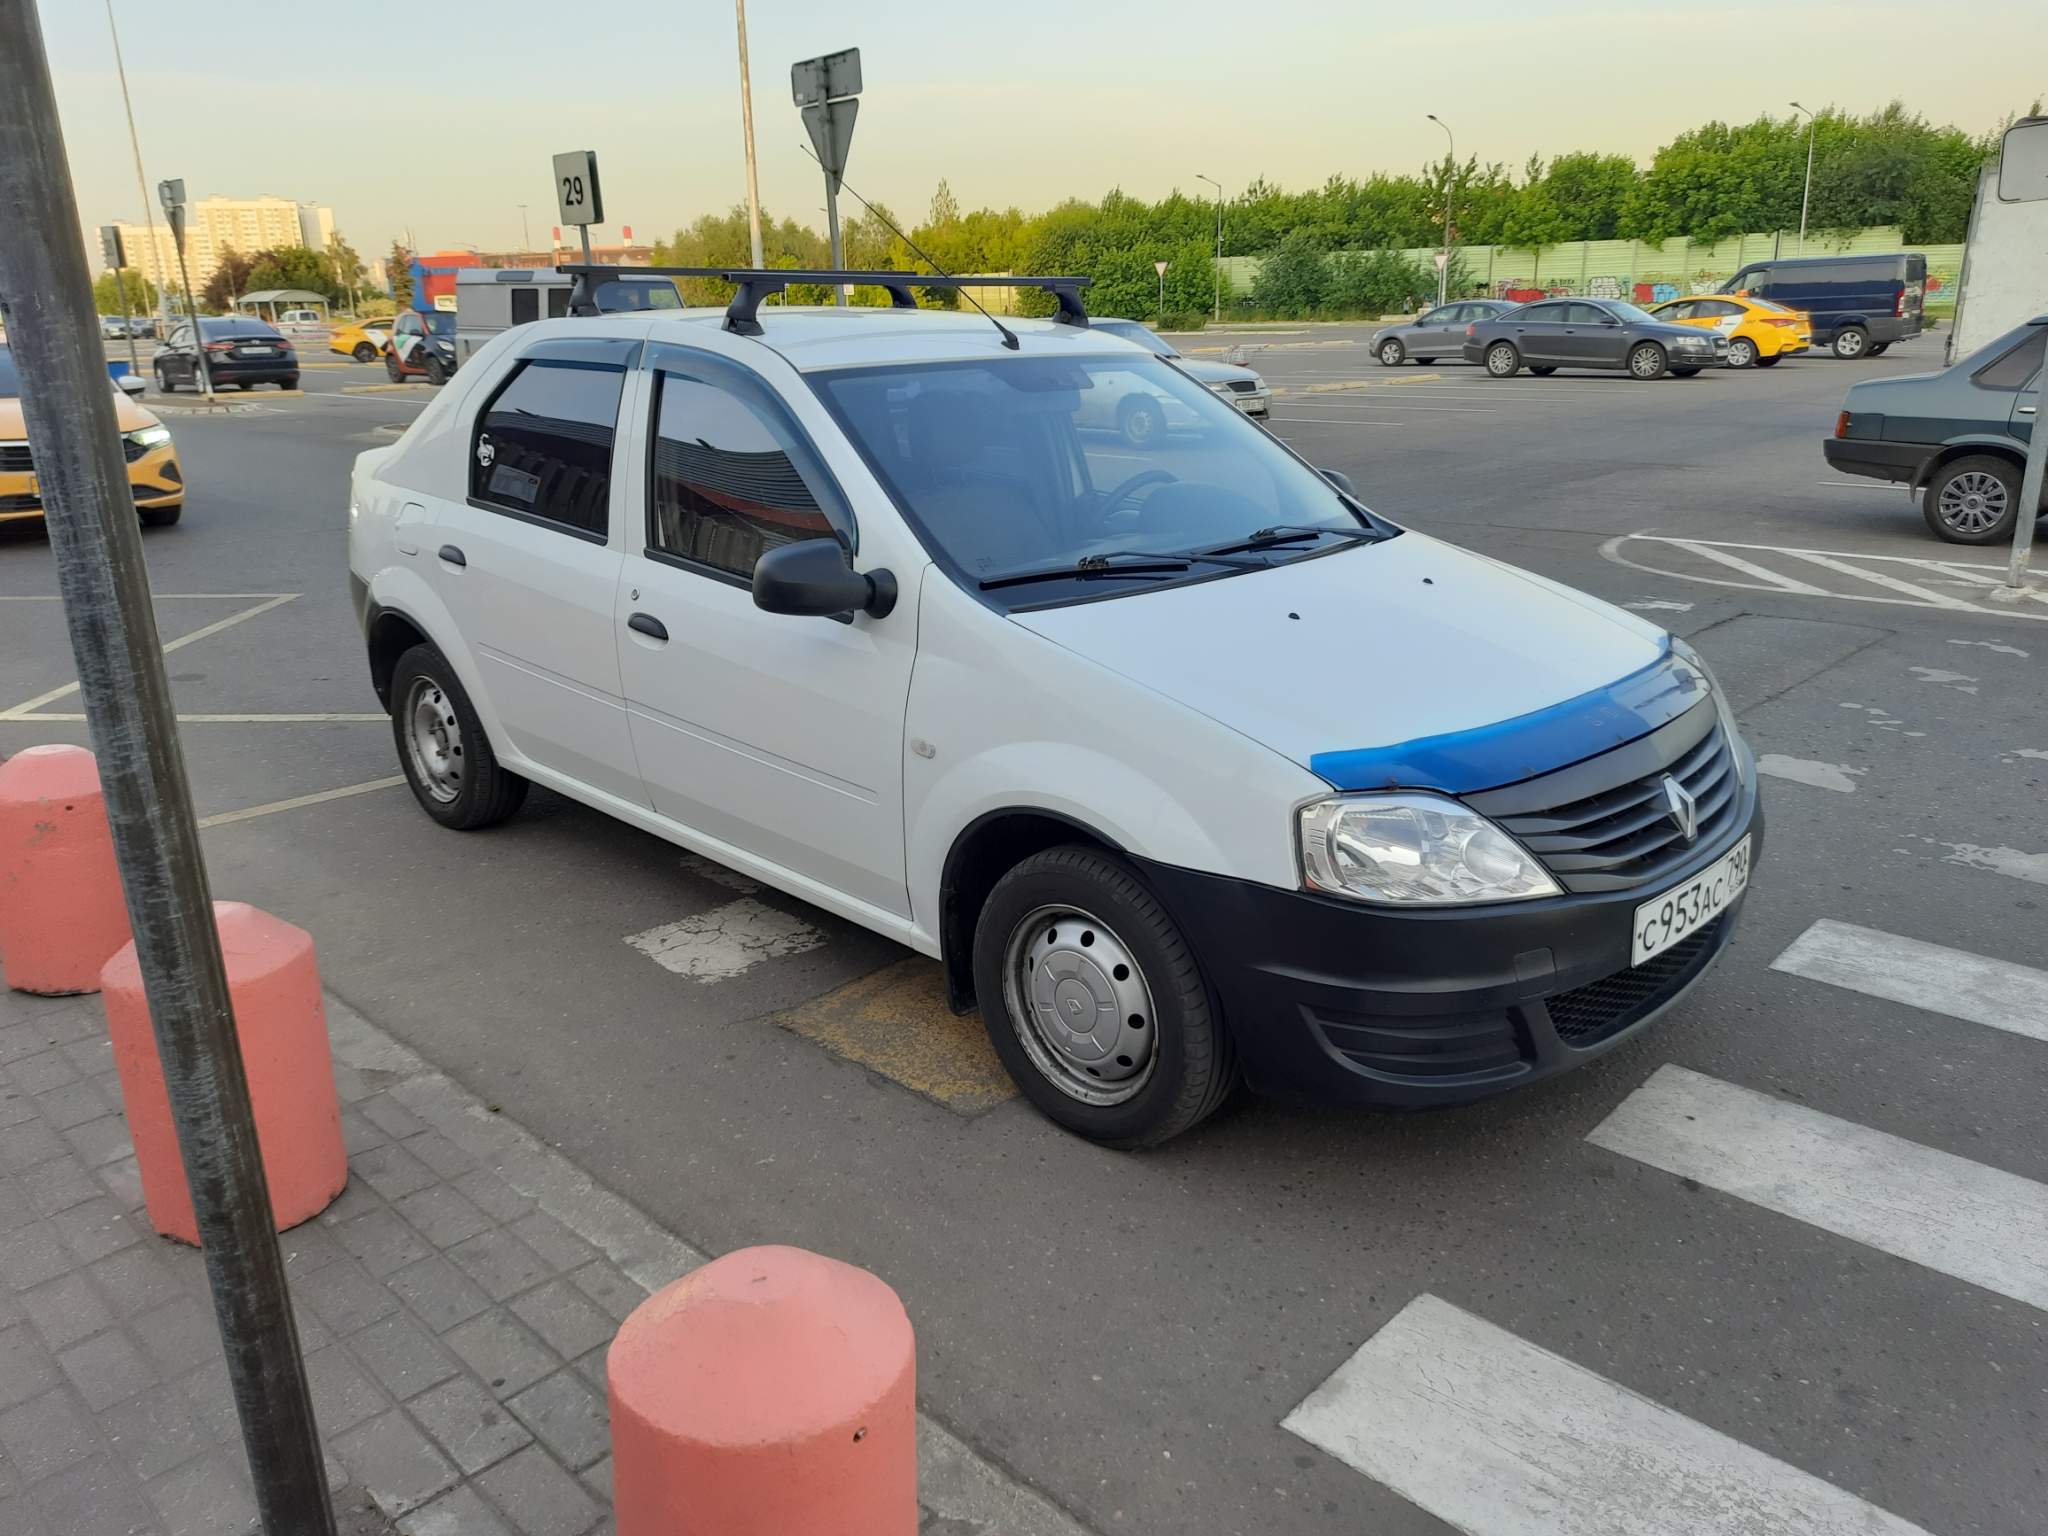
(1964, 448)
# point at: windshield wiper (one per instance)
(1293, 533)
(1119, 562)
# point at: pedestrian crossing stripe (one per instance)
(1950, 982)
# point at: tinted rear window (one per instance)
(2016, 364)
(221, 329)
(10, 381)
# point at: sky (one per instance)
(440, 117)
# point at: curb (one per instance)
(383, 389)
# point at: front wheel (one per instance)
(1543, 370)
(1742, 353)
(391, 369)
(1877, 348)
(1851, 341)
(1770, 362)
(442, 747)
(1139, 420)
(1502, 360)
(1973, 500)
(1685, 373)
(437, 375)
(162, 517)
(1094, 1002)
(364, 352)
(164, 386)
(1392, 353)
(1646, 360)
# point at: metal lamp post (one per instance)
(747, 121)
(525, 234)
(1443, 273)
(1806, 197)
(1218, 317)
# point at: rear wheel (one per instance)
(1742, 353)
(1646, 360)
(436, 374)
(1094, 1001)
(162, 517)
(1139, 420)
(1503, 361)
(1851, 341)
(164, 386)
(442, 747)
(1543, 370)
(1685, 373)
(1973, 500)
(1770, 362)
(1392, 353)
(391, 368)
(1425, 361)
(364, 352)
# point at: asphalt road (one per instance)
(1128, 1332)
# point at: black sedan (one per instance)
(1591, 333)
(239, 351)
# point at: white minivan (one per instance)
(1189, 769)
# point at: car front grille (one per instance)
(1243, 386)
(19, 503)
(15, 459)
(1587, 1015)
(1605, 824)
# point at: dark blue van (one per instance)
(1859, 305)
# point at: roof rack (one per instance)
(754, 284)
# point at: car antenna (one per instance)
(1009, 336)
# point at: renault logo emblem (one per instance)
(1682, 808)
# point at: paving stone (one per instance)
(598, 1479)
(567, 1321)
(382, 1241)
(82, 1020)
(73, 1104)
(91, 1057)
(66, 1310)
(343, 1396)
(19, 1040)
(123, 1180)
(458, 1512)
(307, 1247)
(390, 1116)
(357, 1198)
(23, 1146)
(15, 1106)
(568, 1418)
(344, 1297)
(139, 1278)
(592, 1368)
(95, 1228)
(15, 1211)
(94, 1498)
(402, 1355)
(10, 1485)
(559, 1248)
(469, 1424)
(107, 1368)
(440, 1215)
(439, 1292)
(358, 1135)
(33, 1254)
(207, 1497)
(493, 1196)
(46, 1435)
(442, 1155)
(392, 1458)
(604, 1284)
(500, 1263)
(40, 1073)
(180, 1335)
(102, 1141)
(155, 1430)
(538, 1497)
(26, 1368)
(59, 1184)
(349, 1085)
(504, 1355)
(213, 1401)
(392, 1171)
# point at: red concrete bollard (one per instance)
(274, 981)
(770, 1393)
(61, 912)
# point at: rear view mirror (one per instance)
(1342, 481)
(130, 384)
(815, 578)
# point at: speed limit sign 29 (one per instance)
(576, 192)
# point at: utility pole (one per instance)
(1160, 268)
(1443, 271)
(173, 195)
(1217, 318)
(156, 253)
(747, 121)
(1806, 197)
(525, 234)
(46, 291)
(115, 253)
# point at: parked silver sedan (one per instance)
(1439, 332)
(1239, 385)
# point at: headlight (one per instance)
(1414, 850)
(1217, 386)
(149, 437)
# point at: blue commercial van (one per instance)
(1859, 305)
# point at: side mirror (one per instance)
(130, 384)
(815, 578)
(1342, 481)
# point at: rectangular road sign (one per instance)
(110, 248)
(2023, 162)
(829, 77)
(576, 189)
(171, 193)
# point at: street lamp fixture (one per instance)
(1806, 197)
(1443, 273)
(1219, 241)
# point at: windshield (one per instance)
(1030, 463)
(1625, 311)
(1130, 330)
(10, 381)
(440, 322)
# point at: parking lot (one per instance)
(1806, 1212)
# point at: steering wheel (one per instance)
(1123, 492)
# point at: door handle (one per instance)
(647, 624)
(2029, 410)
(453, 555)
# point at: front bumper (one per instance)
(1257, 402)
(1333, 1001)
(154, 480)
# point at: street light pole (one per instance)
(1806, 197)
(156, 255)
(525, 234)
(747, 120)
(1443, 273)
(1218, 317)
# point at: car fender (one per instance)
(404, 593)
(2000, 444)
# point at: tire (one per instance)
(164, 386)
(1851, 342)
(290, 383)
(437, 375)
(454, 774)
(243, 385)
(1392, 353)
(1139, 419)
(1770, 362)
(1877, 349)
(364, 353)
(1425, 361)
(1685, 373)
(1543, 370)
(1973, 500)
(1742, 353)
(1503, 360)
(1646, 361)
(162, 517)
(391, 368)
(1185, 1065)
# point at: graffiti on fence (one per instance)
(1604, 288)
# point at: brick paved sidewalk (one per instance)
(454, 1305)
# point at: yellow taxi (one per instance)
(363, 340)
(1759, 332)
(155, 478)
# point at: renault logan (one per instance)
(1187, 767)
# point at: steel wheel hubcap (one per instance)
(1973, 503)
(1080, 1005)
(433, 739)
(1390, 353)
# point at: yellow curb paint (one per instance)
(1339, 386)
(896, 1022)
(380, 389)
(1414, 378)
(227, 818)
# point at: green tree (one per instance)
(345, 264)
(398, 271)
(292, 266)
(106, 298)
(725, 240)
(229, 282)
(1589, 193)
(1373, 283)
(1294, 280)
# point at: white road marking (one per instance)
(1342, 421)
(1801, 770)
(228, 818)
(1993, 645)
(1879, 578)
(1498, 1437)
(1657, 605)
(10, 718)
(2015, 863)
(1952, 982)
(1736, 562)
(726, 941)
(1960, 1218)
(1944, 677)
(1382, 403)
(57, 597)
(29, 705)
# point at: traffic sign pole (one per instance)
(116, 256)
(827, 94)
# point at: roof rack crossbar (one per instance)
(752, 285)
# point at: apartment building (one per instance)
(215, 224)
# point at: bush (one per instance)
(1294, 280)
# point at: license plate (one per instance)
(1663, 920)
(256, 352)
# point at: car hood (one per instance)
(128, 417)
(1213, 373)
(1407, 662)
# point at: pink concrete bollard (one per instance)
(61, 911)
(769, 1393)
(274, 981)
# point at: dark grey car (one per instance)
(1435, 333)
(1591, 333)
(1959, 436)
